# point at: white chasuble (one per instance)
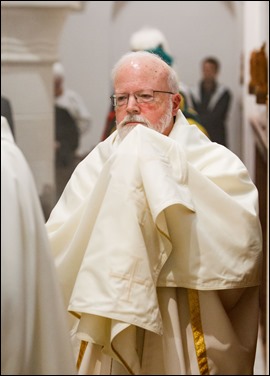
(158, 246)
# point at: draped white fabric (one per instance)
(153, 214)
(34, 328)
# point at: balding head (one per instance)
(147, 65)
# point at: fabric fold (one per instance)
(128, 235)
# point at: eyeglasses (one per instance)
(143, 96)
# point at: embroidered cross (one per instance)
(130, 277)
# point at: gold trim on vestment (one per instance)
(198, 336)
(81, 353)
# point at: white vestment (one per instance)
(157, 244)
(34, 328)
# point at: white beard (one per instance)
(124, 128)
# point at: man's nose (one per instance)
(132, 105)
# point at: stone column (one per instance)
(30, 33)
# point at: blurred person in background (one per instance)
(72, 120)
(211, 100)
(70, 100)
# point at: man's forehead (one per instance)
(139, 68)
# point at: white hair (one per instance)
(172, 76)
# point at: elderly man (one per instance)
(157, 240)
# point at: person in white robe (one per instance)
(34, 327)
(70, 100)
(157, 241)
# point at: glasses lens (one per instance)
(144, 96)
(121, 99)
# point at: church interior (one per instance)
(88, 37)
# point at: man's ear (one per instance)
(176, 103)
